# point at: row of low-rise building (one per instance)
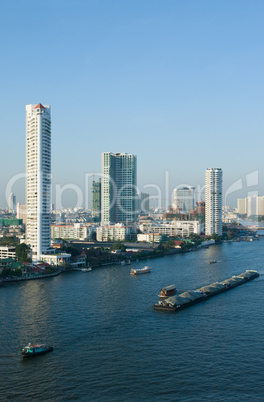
(77, 231)
(172, 228)
(117, 232)
(251, 206)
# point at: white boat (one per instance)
(144, 270)
(86, 269)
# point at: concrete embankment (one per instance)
(30, 278)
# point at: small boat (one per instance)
(35, 350)
(167, 291)
(144, 270)
(86, 269)
(212, 262)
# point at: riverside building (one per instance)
(173, 228)
(213, 201)
(118, 188)
(117, 232)
(38, 178)
(76, 231)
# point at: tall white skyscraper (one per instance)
(12, 203)
(38, 178)
(118, 194)
(213, 201)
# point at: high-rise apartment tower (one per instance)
(213, 201)
(96, 199)
(38, 178)
(119, 180)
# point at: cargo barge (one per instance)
(186, 299)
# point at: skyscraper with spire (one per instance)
(38, 178)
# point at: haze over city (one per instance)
(178, 84)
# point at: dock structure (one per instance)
(186, 299)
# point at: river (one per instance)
(110, 345)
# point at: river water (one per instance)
(110, 345)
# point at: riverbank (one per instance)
(131, 258)
(29, 278)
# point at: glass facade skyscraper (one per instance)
(184, 199)
(119, 192)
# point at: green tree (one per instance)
(170, 244)
(11, 272)
(196, 238)
(118, 246)
(229, 235)
(217, 238)
(74, 251)
(9, 241)
(22, 252)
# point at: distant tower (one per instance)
(96, 199)
(22, 212)
(38, 178)
(184, 199)
(144, 204)
(213, 201)
(12, 203)
(119, 171)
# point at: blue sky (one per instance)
(178, 83)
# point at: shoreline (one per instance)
(171, 252)
(32, 278)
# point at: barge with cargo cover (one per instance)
(186, 299)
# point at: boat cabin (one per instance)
(168, 291)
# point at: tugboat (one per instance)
(167, 291)
(213, 262)
(35, 350)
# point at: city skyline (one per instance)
(167, 77)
